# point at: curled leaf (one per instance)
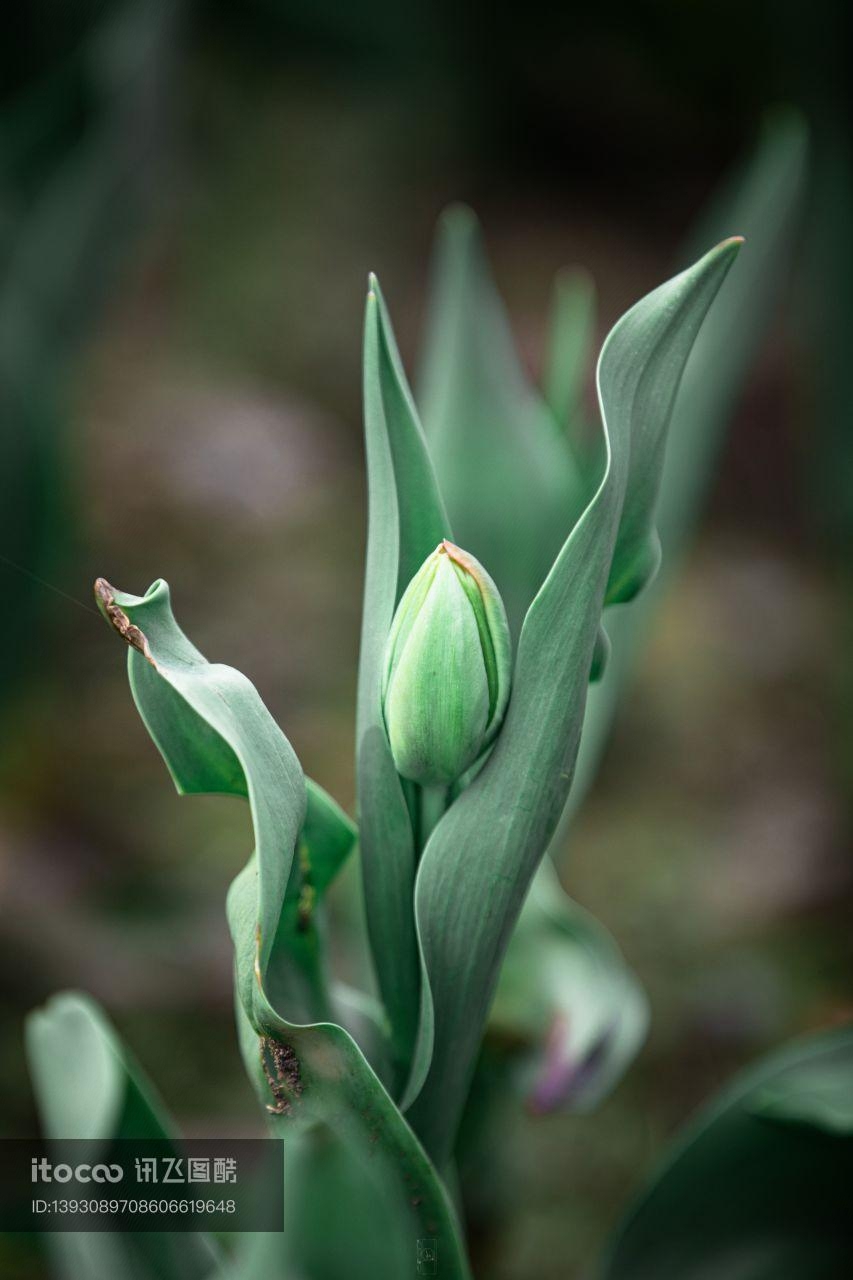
(215, 734)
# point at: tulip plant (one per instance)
(503, 526)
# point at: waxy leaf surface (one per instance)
(216, 735)
(481, 857)
(406, 522)
(512, 488)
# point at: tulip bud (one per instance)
(447, 669)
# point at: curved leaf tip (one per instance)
(506, 817)
(638, 375)
(75, 1071)
(105, 598)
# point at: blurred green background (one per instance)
(190, 200)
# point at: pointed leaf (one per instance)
(478, 864)
(406, 521)
(651, 377)
(569, 353)
(495, 444)
(763, 201)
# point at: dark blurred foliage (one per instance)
(190, 200)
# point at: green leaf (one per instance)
(569, 353)
(332, 1227)
(653, 390)
(406, 522)
(496, 447)
(296, 975)
(748, 1198)
(763, 201)
(216, 735)
(478, 864)
(87, 1085)
(329, 836)
(566, 992)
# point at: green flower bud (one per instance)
(447, 669)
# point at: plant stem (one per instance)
(432, 807)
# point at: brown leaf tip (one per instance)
(129, 632)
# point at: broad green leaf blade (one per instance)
(406, 522)
(495, 444)
(188, 706)
(216, 735)
(747, 1198)
(478, 864)
(567, 992)
(329, 836)
(763, 201)
(324, 1174)
(88, 1086)
(336, 1221)
(296, 972)
(569, 353)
